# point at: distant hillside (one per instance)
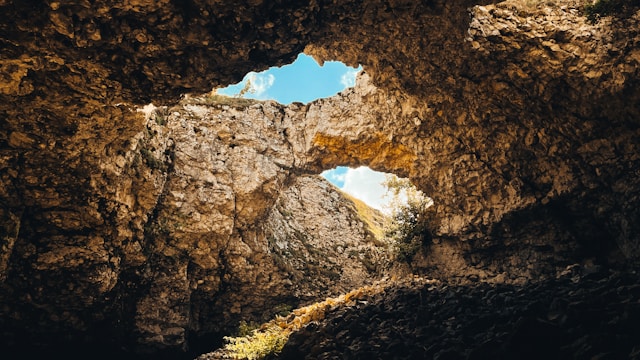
(374, 218)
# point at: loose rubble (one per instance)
(585, 313)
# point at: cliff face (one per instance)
(519, 120)
(219, 246)
(233, 234)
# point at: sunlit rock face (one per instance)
(511, 109)
(236, 233)
(521, 122)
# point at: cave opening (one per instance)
(306, 80)
(397, 213)
(379, 190)
(303, 81)
(322, 242)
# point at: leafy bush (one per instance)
(259, 344)
(408, 228)
(408, 231)
(246, 328)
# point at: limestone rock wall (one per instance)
(236, 234)
(518, 105)
(226, 231)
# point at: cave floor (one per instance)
(586, 313)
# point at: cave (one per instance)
(150, 231)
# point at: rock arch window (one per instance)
(364, 184)
(405, 225)
(305, 81)
(302, 81)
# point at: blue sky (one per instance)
(304, 81)
(362, 183)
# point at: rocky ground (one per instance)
(585, 313)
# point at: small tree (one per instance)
(407, 227)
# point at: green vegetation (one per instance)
(246, 328)
(258, 344)
(160, 116)
(283, 309)
(217, 99)
(160, 119)
(271, 337)
(152, 161)
(601, 8)
(408, 225)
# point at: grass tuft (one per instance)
(271, 337)
(214, 99)
(258, 344)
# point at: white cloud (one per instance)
(348, 79)
(260, 83)
(333, 176)
(366, 185)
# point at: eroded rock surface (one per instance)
(235, 234)
(520, 120)
(583, 313)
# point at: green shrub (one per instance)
(259, 344)
(246, 328)
(152, 161)
(408, 227)
(408, 231)
(282, 309)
